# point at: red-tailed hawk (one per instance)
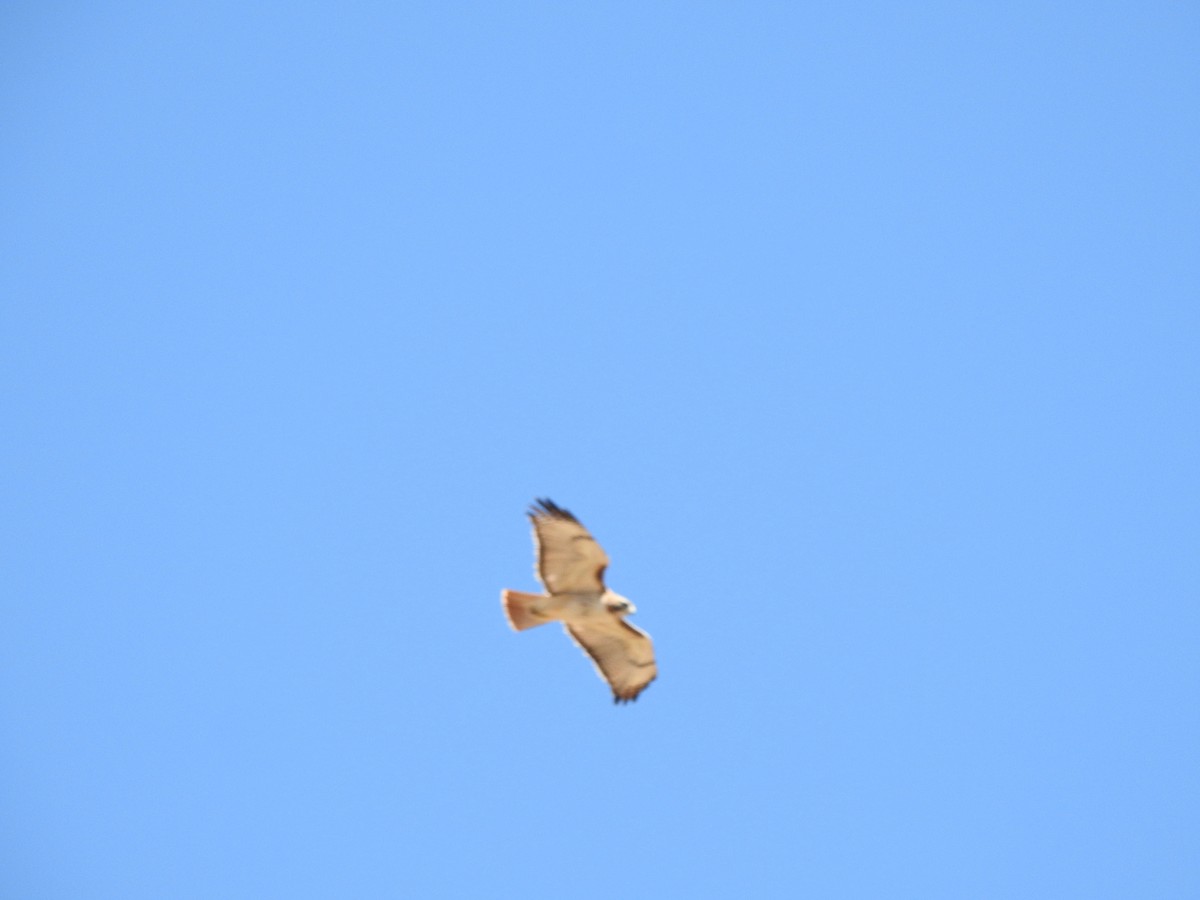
(571, 565)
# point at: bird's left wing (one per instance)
(623, 654)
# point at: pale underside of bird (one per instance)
(571, 565)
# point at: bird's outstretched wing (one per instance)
(623, 654)
(568, 558)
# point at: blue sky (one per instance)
(863, 336)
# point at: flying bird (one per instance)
(571, 565)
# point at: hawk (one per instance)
(571, 565)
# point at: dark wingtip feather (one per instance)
(547, 507)
(632, 698)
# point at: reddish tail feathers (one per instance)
(520, 609)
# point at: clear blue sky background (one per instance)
(865, 338)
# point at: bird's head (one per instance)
(617, 604)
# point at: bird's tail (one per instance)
(521, 609)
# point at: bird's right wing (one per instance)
(568, 558)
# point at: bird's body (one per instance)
(571, 565)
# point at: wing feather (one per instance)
(623, 654)
(568, 558)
